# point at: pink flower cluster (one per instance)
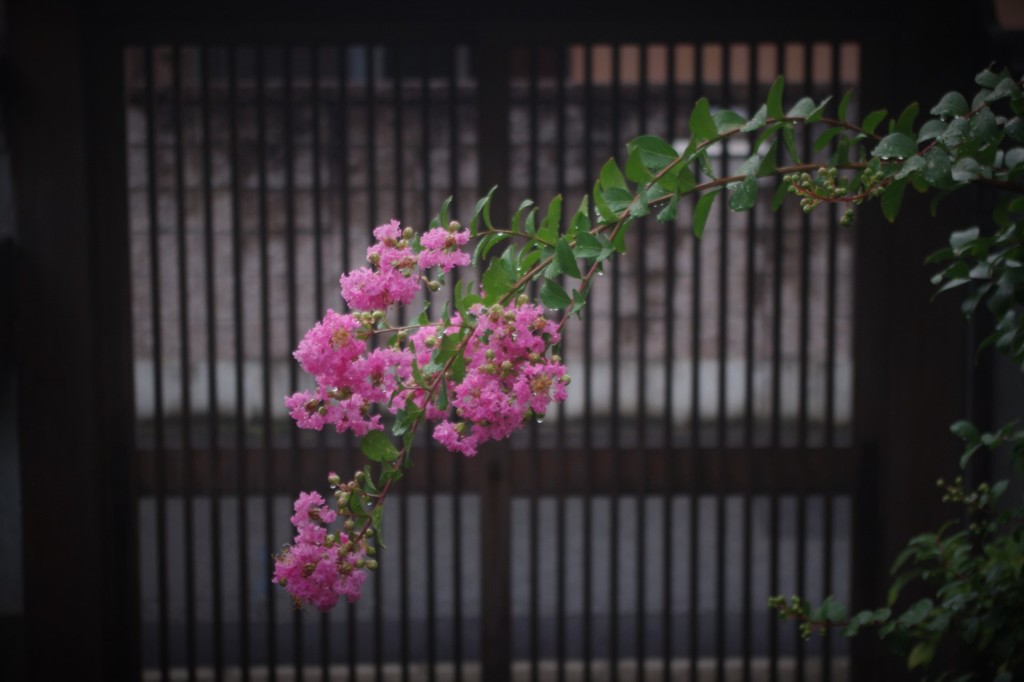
(508, 376)
(394, 276)
(349, 379)
(315, 569)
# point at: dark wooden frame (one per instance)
(64, 105)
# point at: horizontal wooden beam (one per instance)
(575, 471)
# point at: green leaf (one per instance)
(757, 121)
(987, 78)
(552, 220)
(826, 137)
(921, 655)
(685, 182)
(1014, 157)
(955, 132)
(726, 121)
(668, 213)
(553, 296)
(779, 196)
(905, 123)
(702, 125)
(818, 112)
(984, 127)
(803, 107)
(635, 168)
(913, 164)
(844, 104)
(965, 430)
(565, 258)
(581, 219)
(587, 246)
(378, 447)
(618, 199)
(485, 244)
(895, 145)
(497, 281)
(765, 134)
(605, 215)
(960, 240)
(833, 611)
(1015, 129)
(892, 198)
(966, 169)
(377, 519)
(917, 612)
(872, 120)
(952, 104)
(482, 210)
(654, 146)
(516, 219)
(441, 219)
(639, 206)
(774, 100)
(937, 171)
(931, 129)
(744, 193)
(702, 210)
(578, 301)
(611, 176)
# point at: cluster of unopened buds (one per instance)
(797, 609)
(828, 186)
(477, 376)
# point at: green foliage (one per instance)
(971, 568)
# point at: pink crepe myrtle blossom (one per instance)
(314, 569)
(442, 248)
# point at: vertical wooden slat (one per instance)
(563, 472)
(241, 445)
(804, 378)
(588, 386)
(153, 189)
(641, 399)
(668, 423)
(288, 135)
(266, 401)
(616, 395)
(532, 106)
(748, 405)
(695, 418)
(492, 58)
(213, 415)
(776, 415)
(725, 95)
(453, 180)
(315, 86)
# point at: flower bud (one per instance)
(454, 226)
(407, 233)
